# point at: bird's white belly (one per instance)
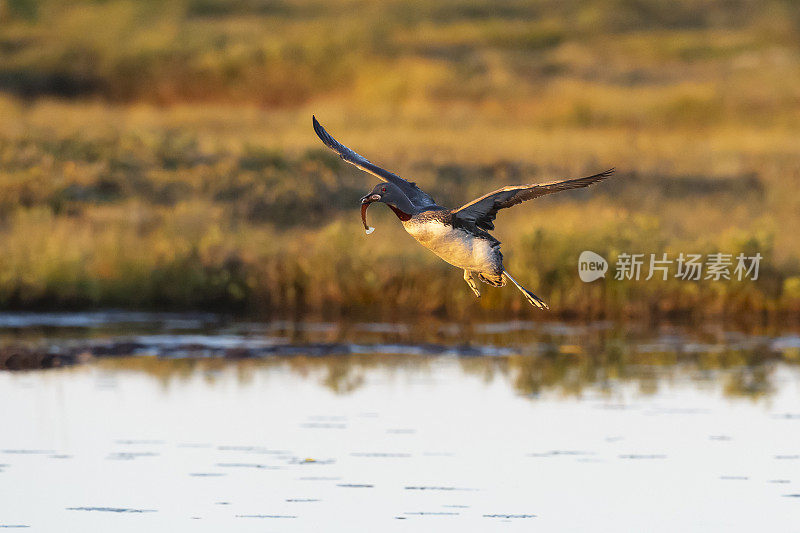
(454, 245)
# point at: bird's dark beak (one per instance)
(365, 201)
(368, 199)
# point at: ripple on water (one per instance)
(509, 516)
(105, 318)
(248, 465)
(253, 449)
(30, 452)
(265, 516)
(380, 454)
(129, 456)
(111, 509)
(439, 488)
(309, 461)
(555, 453)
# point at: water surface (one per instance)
(192, 422)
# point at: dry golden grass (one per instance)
(167, 158)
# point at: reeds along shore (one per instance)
(176, 167)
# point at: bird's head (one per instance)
(390, 195)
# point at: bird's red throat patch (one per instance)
(401, 215)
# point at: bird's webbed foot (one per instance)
(471, 282)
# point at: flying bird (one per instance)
(458, 236)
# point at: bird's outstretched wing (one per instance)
(417, 196)
(481, 212)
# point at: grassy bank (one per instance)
(189, 208)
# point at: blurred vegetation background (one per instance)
(159, 154)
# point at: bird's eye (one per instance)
(383, 189)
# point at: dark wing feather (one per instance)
(417, 196)
(481, 212)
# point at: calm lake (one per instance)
(120, 421)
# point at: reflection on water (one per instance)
(159, 421)
(741, 374)
(533, 356)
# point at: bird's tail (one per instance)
(532, 298)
